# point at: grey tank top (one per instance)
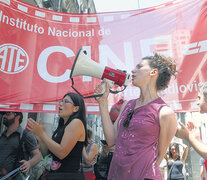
(176, 172)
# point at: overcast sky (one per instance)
(125, 5)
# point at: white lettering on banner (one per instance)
(70, 33)
(203, 45)
(187, 50)
(195, 48)
(52, 31)
(21, 24)
(106, 53)
(42, 64)
(183, 88)
(129, 58)
(14, 59)
(146, 45)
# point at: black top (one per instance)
(71, 163)
(9, 147)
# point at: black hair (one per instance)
(176, 147)
(16, 114)
(89, 133)
(166, 68)
(21, 116)
(80, 114)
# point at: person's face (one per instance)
(66, 107)
(141, 73)
(9, 118)
(202, 102)
(173, 150)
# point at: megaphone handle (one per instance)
(97, 96)
(111, 84)
(103, 85)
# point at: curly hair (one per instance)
(166, 68)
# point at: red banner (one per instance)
(38, 48)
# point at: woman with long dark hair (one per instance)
(67, 141)
(175, 161)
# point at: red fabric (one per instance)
(39, 49)
(89, 175)
(205, 163)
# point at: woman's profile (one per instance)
(145, 126)
(67, 141)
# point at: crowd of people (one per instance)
(137, 137)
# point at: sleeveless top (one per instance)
(71, 163)
(136, 149)
(176, 172)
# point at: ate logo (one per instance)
(13, 59)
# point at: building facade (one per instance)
(69, 6)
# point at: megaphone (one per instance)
(84, 66)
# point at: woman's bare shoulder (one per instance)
(75, 123)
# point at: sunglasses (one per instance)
(66, 101)
(128, 118)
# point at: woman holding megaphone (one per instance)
(145, 126)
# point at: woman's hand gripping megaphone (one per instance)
(104, 89)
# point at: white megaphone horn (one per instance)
(84, 66)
